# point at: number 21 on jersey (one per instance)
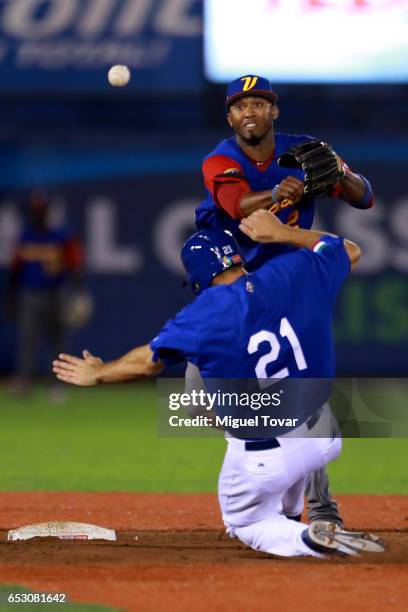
(285, 331)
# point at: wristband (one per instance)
(274, 194)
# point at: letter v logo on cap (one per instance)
(250, 82)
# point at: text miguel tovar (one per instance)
(228, 422)
(209, 401)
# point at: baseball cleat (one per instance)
(330, 536)
(327, 523)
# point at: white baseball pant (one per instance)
(257, 489)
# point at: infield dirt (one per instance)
(172, 554)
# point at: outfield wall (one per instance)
(133, 204)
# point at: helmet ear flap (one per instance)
(193, 282)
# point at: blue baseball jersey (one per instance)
(41, 255)
(274, 322)
(210, 215)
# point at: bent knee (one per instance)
(334, 449)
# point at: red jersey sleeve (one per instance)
(225, 180)
(73, 254)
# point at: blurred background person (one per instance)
(46, 264)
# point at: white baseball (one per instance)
(119, 76)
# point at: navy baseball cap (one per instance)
(250, 85)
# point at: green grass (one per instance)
(105, 439)
(101, 439)
(371, 465)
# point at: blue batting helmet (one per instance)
(206, 254)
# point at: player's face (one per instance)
(252, 118)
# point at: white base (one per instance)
(62, 530)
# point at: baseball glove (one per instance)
(322, 167)
(77, 309)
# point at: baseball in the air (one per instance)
(119, 76)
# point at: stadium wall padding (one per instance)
(133, 208)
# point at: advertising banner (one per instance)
(308, 41)
(68, 45)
